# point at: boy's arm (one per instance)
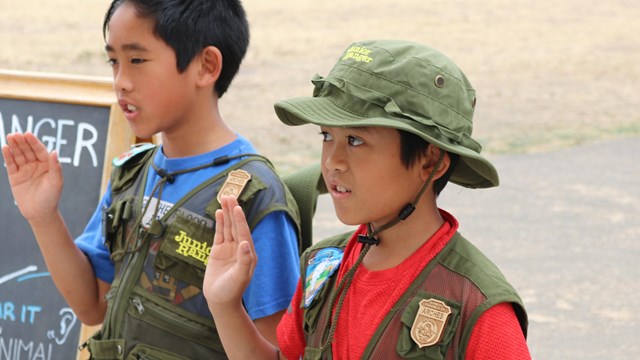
(276, 275)
(230, 268)
(36, 182)
(498, 335)
(70, 270)
(267, 326)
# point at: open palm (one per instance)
(35, 175)
(232, 259)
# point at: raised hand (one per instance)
(232, 259)
(35, 175)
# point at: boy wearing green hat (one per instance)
(396, 122)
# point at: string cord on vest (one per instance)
(165, 177)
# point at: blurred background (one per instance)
(549, 74)
(555, 80)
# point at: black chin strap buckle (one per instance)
(168, 177)
(368, 240)
(406, 211)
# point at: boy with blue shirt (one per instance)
(138, 266)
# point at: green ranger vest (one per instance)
(460, 282)
(156, 309)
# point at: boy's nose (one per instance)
(334, 159)
(121, 82)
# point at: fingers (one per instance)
(25, 148)
(231, 221)
(233, 205)
(13, 141)
(55, 168)
(241, 227)
(242, 234)
(227, 224)
(218, 237)
(8, 159)
(246, 258)
(22, 150)
(36, 149)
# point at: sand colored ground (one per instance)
(548, 73)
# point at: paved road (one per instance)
(564, 227)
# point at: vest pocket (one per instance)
(184, 252)
(114, 224)
(429, 324)
(316, 354)
(145, 352)
(105, 349)
(160, 324)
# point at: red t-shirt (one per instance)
(497, 334)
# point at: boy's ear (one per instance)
(430, 160)
(210, 66)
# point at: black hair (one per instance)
(188, 26)
(413, 147)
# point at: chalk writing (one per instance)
(23, 313)
(37, 323)
(67, 321)
(18, 349)
(17, 274)
(14, 346)
(57, 135)
(27, 313)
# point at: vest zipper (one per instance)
(158, 312)
(126, 287)
(138, 304)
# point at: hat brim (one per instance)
(472, 170)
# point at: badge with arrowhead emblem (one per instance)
(234, 184)
(430, 322)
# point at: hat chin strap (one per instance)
(407, 210)
(340, 293)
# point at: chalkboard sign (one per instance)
(78, 118)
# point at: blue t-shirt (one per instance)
(275, 237)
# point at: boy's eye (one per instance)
(326, 136)
(354, 141)
(137, 61)
(112, 62)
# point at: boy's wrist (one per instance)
(225, 309)
(45, 220)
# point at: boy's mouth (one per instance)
(341, 189)
(127, 107)
(130, 111)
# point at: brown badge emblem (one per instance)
(430, 322)
(235, 183)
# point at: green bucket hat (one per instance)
(401, 85)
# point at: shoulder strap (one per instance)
(248, 192)
(491, 280)
(126, 170)
(315, 312)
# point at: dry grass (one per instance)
(548, 73)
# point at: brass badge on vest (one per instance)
(430, 322)
(235, 183)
